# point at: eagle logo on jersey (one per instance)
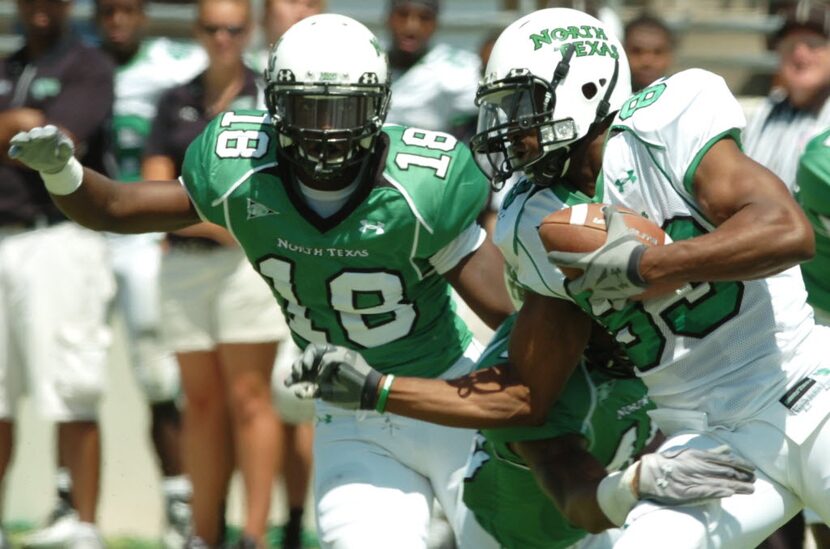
(255, 209)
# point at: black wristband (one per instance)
(633, 271)
(369, 394)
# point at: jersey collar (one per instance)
(372, 173)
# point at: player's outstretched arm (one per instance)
(593, 500)
(554, 335)
(491, 397)
(479, 280)
(760, 231)
(94, 200)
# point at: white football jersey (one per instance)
(517, 236)
(726, 348)
(438, 91)
(159, 64)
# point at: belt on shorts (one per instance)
(37, 222)
(192, 243)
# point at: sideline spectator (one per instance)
(795, 111)
(277, 17)
(281, 14)
(650, 45)
(217, 313)
(798, 109)
(813, 178)
(294, 457)
(145, 69)
(433, 85)
(55, 278)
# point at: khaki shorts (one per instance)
(214, 296)
(56, 284)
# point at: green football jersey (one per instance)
(813, 181)
(500, 489)
(361, 278)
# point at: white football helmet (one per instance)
(327, 90)
(554, 73)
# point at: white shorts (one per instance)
(822, 316)
(214, 296)
(292, 409)
(375, 477)
(136, 261)
(55, 287)
(790, 474)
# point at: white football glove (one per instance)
(44, 149)
(675, 477)
(612, 271)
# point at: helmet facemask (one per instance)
(518, 128)
(325, 128)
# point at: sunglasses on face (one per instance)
(788, 45)
(213, 30)
(49, 2)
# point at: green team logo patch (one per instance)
(585, 39)
(644, 98)
(621, 182)
(45, 87)
(255, 209)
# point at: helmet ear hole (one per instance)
(589, 90)
(602, 81)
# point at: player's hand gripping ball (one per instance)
(598, 247)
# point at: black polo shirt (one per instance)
(182, 116)
(72, 86)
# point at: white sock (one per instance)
(63, 480)
(177, 487)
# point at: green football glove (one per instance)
(337, 375)
(612, 271)
(45, 149)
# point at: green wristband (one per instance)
(384, 393)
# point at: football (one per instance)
(581, 228)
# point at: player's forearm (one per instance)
(581, 508)
(484, 399)
(543, 361)
(569, 475)
(758, 241)
(103, 204)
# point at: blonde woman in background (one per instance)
(218, 315)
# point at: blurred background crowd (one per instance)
(152, 414)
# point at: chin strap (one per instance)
(605, 104)
(562, 68)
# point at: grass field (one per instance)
(17, 532)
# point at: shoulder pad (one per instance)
(438, 177)
(233, 146)
(654, 112)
